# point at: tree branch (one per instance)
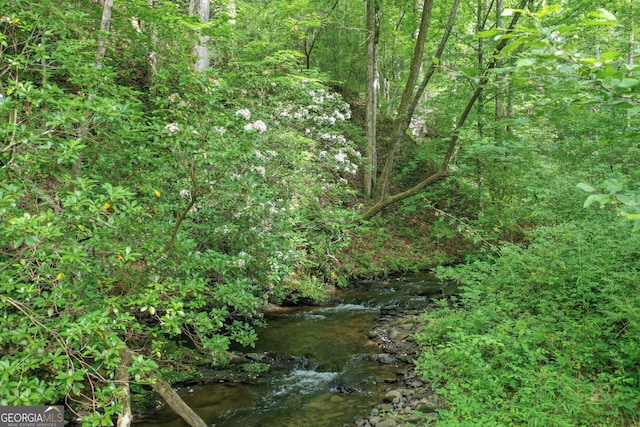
(385, 200)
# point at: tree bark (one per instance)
(499, 107)
(436, 58)
(200, 8)
(373, 85)
(153, 55)
(175, 402)
(161, 387)
(105, 24)
(481, 22)
(402, 118)
(122, 376)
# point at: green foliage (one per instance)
(616, 193)
(547, 333)
(147, 211)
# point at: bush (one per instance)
(548, 334)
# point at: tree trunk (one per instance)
(153, 55)
(158, 385)
(200, 8)
(499, 108)
(385, 200)
(175, 402)
(403, 119)
(480, 26)
(105, 24)
(122, 377)
(373, 86)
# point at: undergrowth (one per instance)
(543, 335)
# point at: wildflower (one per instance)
(258, 125)
(260, 169)
(221, 130)
(244, 113)
(172, 127)
(341, 157)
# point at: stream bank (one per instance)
(408, 400)
(344, 364)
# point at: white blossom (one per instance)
(244, 113)
(258, 125)
(172, 127)
(341, 157)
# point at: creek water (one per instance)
(331, 380)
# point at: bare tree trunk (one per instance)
(481, 22)
(105, 24)
(200, 8)
(122, 376)
(403, 119)
(153, 55)
(499, 108)
(161, 387)
(632, 45)
(175, 402)
(436, 58)
(373, 87)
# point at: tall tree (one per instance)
(373, 10)
(105, 23)
(405, 113)
(201, 9)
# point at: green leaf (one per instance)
(601, 199)
(511, 47)
(489, 33)
(602, 14)
(586, 187)
(629, 82)
(525, 62)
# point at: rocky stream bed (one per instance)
(350, 363)
(408, 400)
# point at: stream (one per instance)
(331, 380)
